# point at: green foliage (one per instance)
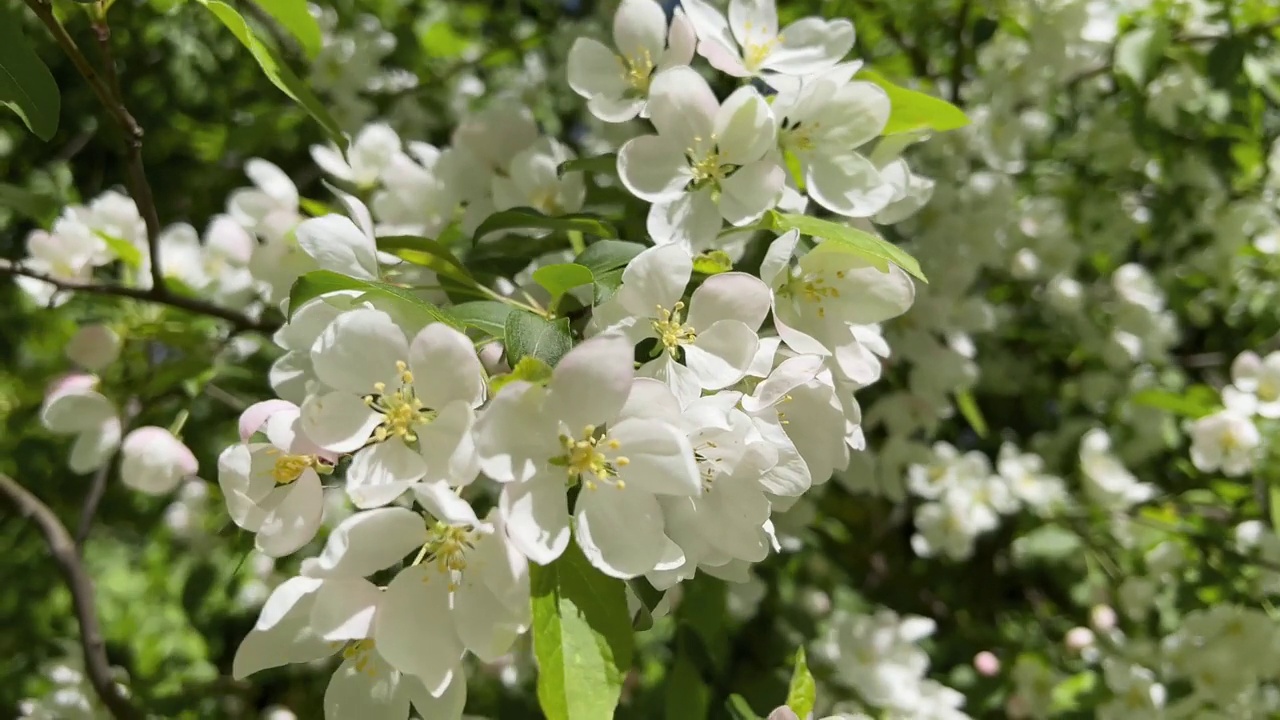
(802, 693)
(581, 637)
(911, 110)
(26, 85)
(536, 336)
(530, 219)
(318, 282)
(848, 239)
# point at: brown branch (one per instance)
(108, 92)
(96, 664)
(239, 321)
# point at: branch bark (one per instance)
(96, 664)
(238, 320)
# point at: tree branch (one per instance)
(108, 92)
(96, 664)
(238, 320)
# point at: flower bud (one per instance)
(986, 663)
(94, 347)
(1103, 618)
(1079, 638)
(153, 461)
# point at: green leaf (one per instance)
(1188, 404)
(1138, 51)
(26, 85)
(530, 369)
(529, 334)
(487, 316)
(582, 638)
(852, 239)
(317, 208)
(911, 110)
(607, 284)
(128, 253)
(712, 263)
(1274, 502)
(739, 708)
(649, 597)
(687, 694)
(607, 163)
(294, 17)
(1049, 543)
(523, 218)
(704, 610)
(606, 255)
(803, 692)
(429, 254)
(972, 415)
(319, 282)
(276, 71)
(560, 278)
(40, 208)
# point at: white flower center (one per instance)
(447, 546)
(812, 289)
(798, 137)
(288, 468)
(401, 410)
(671, 330)
(361, 651)
(584, 461)
(705, 163)
(756, 51)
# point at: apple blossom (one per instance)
(153, 461)
(748, 42)
(73, 406)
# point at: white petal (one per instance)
(620, 531)
(291, 598)
(94, 447)
(778, 258)
(344, 608)
(660, 458)
(846, 183)
(591, 383)
(256, 415)
(339, 421)
(272, 180)
(692, 220)
(513, 436)
(445, 367)
(615, 109)
(77, 409)
(724, 58)
(679, 380)
(448, 706)
(594, 69)
(790, 374)
(655, 278)
(537, 516)
(444, 504)
(753, 20)
(370, 541)
(331, 161)
(721, 354)
(717, 41)
(414, 628)
(295, 519)
(382, 472)
(288, 641)
(810, 45)
(856, 114)
(682, 40)
(337, 244)
(729, 296)
(448, 446)
(750, 191)
(359, 349)
(654, 168)
(790, 476)
(650, 399)
(745, 127)
(682, 107)
(486, 626)
(640, 29)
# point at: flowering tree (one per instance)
(634, 359)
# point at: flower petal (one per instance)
(721, 354)
(445, 367)
(337, 244)
(380, 473)
(536, 514)
(745, 127)
(295, 519)
(753, 20)
(620, 531)
(486, 626)
(660, 460)
(682, 107)
(654, 168)
(810, 45)
(730, 296)
(640, 29)
(655, 278)
(692, 220)
(414, 629)
(358, 350)
(339, 421)
(513, 436)
(370, 541)
(344, 608)
(590, 384)
(750, 191)
(682, 40)
(594, 70)
(846, 183)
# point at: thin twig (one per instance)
(238, 320)
(958, 62)
(96, 664)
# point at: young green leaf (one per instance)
(740, 709)
(972, 415)
(1139, 50)
(128, 253)
(911, 110)
(712, 263)
(529, 334)
(319, 282)
(560, 278)
(803, 692)
(606, 255)
(276, 71)
(607, 163)
(429, 254)
(294, 17)
(487, 316)
(582, 638)
(26, 85)
(40, 208)
(530, 369)
(875, 249)
(523, 218)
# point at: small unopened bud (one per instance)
(1079, 638)
(986, 663)
(1103, 618)
(94, 347)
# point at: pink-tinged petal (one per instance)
(255, 416)
(654, 168)
(730, 296)
(810, 45)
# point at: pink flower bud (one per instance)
(1079, 638)
(1103, 618)
(986, 663)
(94, 347)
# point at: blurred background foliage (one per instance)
(169, 601)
